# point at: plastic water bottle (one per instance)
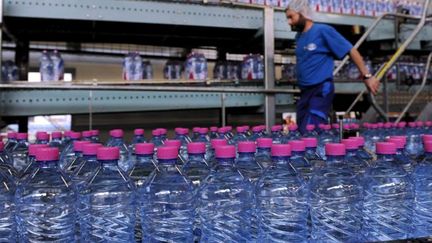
(239, 137)
(128, 67)
(310, 131)
(156, 138)
(46, 67)
(195, 133)
(56, 140)
(107, 202)
(246, 162)
(282, 200)
(68, 153)
(230, 133)
(335, 131)
(5, 161)
(213, 132)
(225, 201)
(293, 134)
(256, 133)
(336, 198)
(202, 136)
(95, 136)
(19, 153)
(139, 67)
(7, 192)
(137, 138)
(163, 133)
(42, 138)
(263, 154)
(67, 139)
(182, 135)
(276, 134)
(210, 154)
(45, 202)
(357, 164)
(11, 142)
(88, 165)
(31, 164)
(311, 154)
(87, 136)
(222, 133)
(58, 65)
(423, 194)
(169, 202)
(74, 161)
(414, 146)
(298, 159)
(182, 157)
(117, 141)
(388, 198)
(361, 151)
(324, 138)
(196, 169)
(406, 162)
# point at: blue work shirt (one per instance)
(315, 52)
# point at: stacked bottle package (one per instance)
(251, 184)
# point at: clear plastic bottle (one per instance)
(182, 156)
(74, 161)
(19, 153)
(324, 138)
(361, 151)
(263, 154)
(388, 198)
(298, 159)
(202, 136)
(139, 67)
(213, 133)
(196, 169)
(282, 200)
(414, 146)
(107, 202)
(8, 227)
(336, 200)
(406, 162)
(239, 137)
(163, 134)
(45, 202)
(42, 138)
(293, 134)
(31, 160)
(128, 67)
(156, 138)
(423, 194)
(11, 142)
(118, 141)
(68, 153)
(310, 131)
(182, 134)
(67, 139)
(357, 164)
(6, 163)
(225, 201)
(311, 154)
(246, 163)
(88, 165)
(276, 134)
(56, 140)
(58, 66)
(256, 133)
(210, 154)
(95, 136)
(137, 138)
(46, 68)
(87, 136)
(169, 202)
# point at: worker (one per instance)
(317, 45)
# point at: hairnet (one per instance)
(302, 7)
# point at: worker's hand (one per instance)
(372, 85)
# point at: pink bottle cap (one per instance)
(297, 145)
(420, 124)
(90, 148)
(225, 152)
(56, 135)
(256, 129)
(139, 132)
(428, 146)
(34, 147)
(117, 133)
(222, 130)
(144, 148)
(310, 142)
(374, 126)
(398, 142)
(388, 125)
(42, 136)
(310, 127)
(213, 129)
(402, 124)
(354, 126)
(321, 126)
(108, 153)
(281, 150)
(380, 124)
(203, 130)
(276, 128)
(335, 149)
(292, 127)
(75, 135)
(22, 136)
(428, 123)
(229, 128)
(264, 142)
(78, 145)
(246, 127)
(163, 131)
(1, 146)
(87, 134)
(47, 154)
(173, 143)
(385, 148)
(218, 142)
(246, 147)
(326, 127)
(360, 141)
(427, 138)
(240, 129)
(11, 135)
(156, 132)
(196, 148)
(350, 143)
(403, 138)
(346, 126)
(335, 126)
(95, 132)
(181, 131)
(196, 129)
(167, 152)
(412, 124)
(67, 133)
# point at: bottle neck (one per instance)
(42, 142)
(47, 164)
(385, 157)
(243, 155)
(167, 162)
(335, 159)
(297, 153)
(90, 157)
(225, 161)
(351, 152)
(263, 150)
(311, 149)
(281, 161)
(196, 157)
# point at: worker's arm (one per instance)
(372, 83)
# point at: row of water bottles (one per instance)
(254, 191)
(51, 66)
